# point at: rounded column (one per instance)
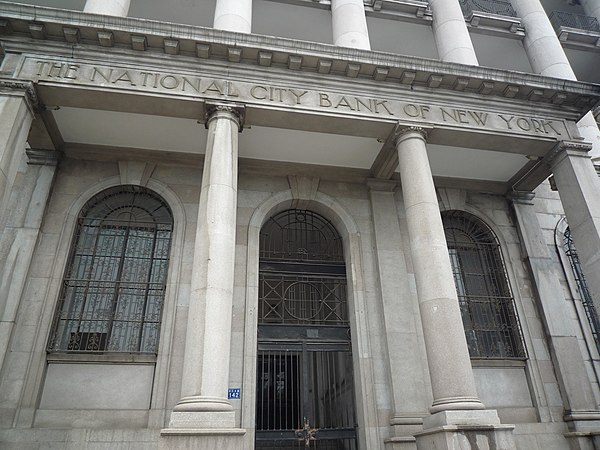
(451, 35)
(233, 15)
(350, 24)
(591, 8)
(452, 380)
(108, 7)
(207, 348)
(548, 58)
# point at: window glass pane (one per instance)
(115, 280)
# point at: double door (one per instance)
(305, 388)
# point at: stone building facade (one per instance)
(238, 224)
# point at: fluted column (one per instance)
(205, 380)
(349, 24)
(452, 380)
(579, 188)
(233, 15)
(108, 7)
(548, 58)
(450, 32)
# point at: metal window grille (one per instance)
(586, 296)
(486, 302)
(577, 21)
(114, 284)
(500, 7)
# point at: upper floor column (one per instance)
(233, 15)
(548, 58)
(591, 8)
(350, 24)
(108, 7)
(451, 35)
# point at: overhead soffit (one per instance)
(186, 136)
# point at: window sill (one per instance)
(120, 358)
(498, 362)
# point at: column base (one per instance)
(465, 430)
(456, 403)
(188, 439)
(199, 413)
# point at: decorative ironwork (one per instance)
(114, 284)
(577, 21)
(486, 302)
(500, 7)
(586, 297)
(304, 369)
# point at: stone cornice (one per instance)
(72, 27)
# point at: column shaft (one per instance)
(451, 35)
(591, 8)
(579, 187)
(350, 24)
(206, 357)
(107, 7)
(233, 15)
(548, 58)
(447, 351)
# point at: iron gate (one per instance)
(305, 386)
(305, 395)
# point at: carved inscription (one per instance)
(209, 88)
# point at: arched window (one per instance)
(485, 298)
(114, 284)
(584, 291)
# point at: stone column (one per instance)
(591, 8)
(349, 24)
(581, 409)
(107, 7)
(548, 58)
(233, 15)
(451, 35)
(404, 348)
(579, 188)
(447, 351)
(458, 416)
(205, 379)
(17, 104)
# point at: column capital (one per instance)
(42, 157)
(567, 148)
(231, 111)
(27, 88)
(521, 197)
(403, 132)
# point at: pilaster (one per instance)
(579, 189)
(581, 412)
(406, 369)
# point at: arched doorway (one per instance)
(305, 386)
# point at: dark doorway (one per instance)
(305, 386)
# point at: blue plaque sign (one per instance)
(234, 393)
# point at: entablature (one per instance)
(21, 24)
